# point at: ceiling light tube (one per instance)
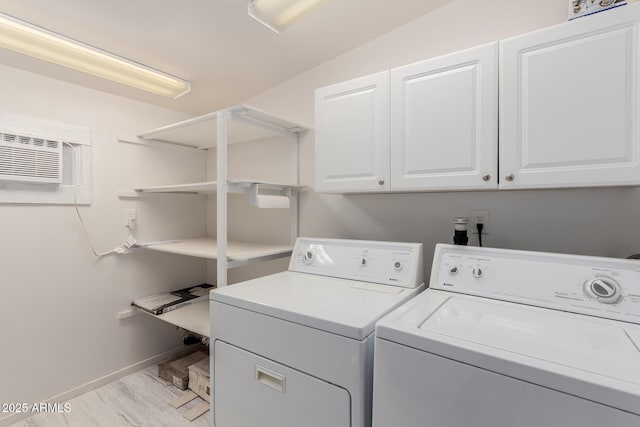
(27, 39)
(277, 15)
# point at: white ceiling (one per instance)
(226, 55)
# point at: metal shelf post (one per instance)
(221, 198)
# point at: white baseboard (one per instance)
(92, 385)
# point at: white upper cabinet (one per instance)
(569, 104)
(444, 122)
(352, 135)
(569, 115)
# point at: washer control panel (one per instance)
(389, 263)
(603, 287)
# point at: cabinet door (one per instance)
(444, 122)
(352, 135)
(250, 390)
(569, 104)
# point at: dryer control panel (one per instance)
(388, 263)
(603, 287)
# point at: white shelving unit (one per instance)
(238, 253)
(239, 124)
(211, 187)
(216, 131)
(192, 317)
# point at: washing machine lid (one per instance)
(593, 358)
(344, 307)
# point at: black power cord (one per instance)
(480, 226)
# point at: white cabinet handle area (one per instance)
(271, 379)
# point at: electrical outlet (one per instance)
(130, 219)
(479, 216)
(127, 313)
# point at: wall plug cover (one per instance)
(121, 250)
(130, 242)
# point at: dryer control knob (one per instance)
(397, 266)
(604, 289)
(309, 256)
(363, 261)
(477, 272)
(453, 270)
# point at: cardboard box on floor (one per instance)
(199, 379)
(176, 369)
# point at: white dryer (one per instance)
(296, 348)
(514, 339)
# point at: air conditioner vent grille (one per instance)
(30, 159)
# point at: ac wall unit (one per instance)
(30, 159)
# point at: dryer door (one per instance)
(250, 390)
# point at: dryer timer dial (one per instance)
(309, 256)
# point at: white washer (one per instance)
(513, 338)
(296, 348)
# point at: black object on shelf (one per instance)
(167, 301)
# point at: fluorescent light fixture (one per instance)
(28, 39)
(277, 15)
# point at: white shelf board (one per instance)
(207, 247)
(210, 187)
(192, 317)
(246, 124)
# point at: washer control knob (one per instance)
(477, 272)
(397, 266)
(453, 270)
(309, 256)
(363, 261)
(604, 289)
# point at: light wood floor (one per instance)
(138, 400)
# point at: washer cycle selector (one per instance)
(604, 289)
(453, 270)
(363, 261)
(397, 266)
(477, 272)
